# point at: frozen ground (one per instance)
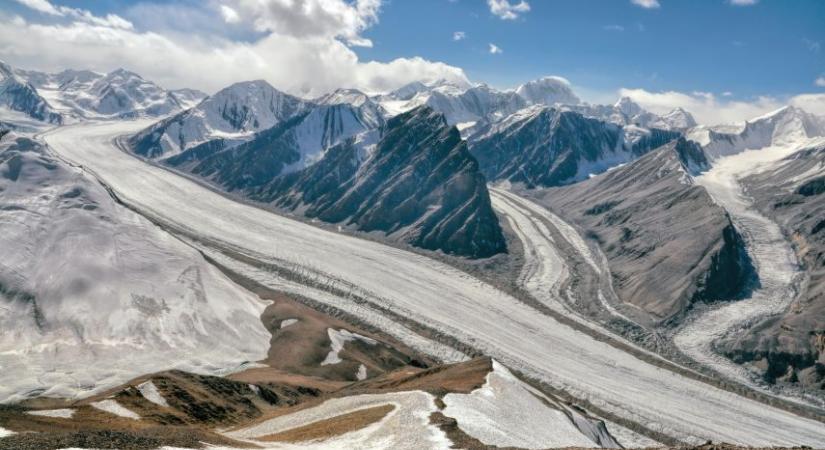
(93, 294)
(407, 426)
(772, 255)
(444, 298)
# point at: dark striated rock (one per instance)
(552, 147)
(418, 185)
(668, 244)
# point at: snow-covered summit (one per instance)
(785, 126)
(548, 91)
(17, 94)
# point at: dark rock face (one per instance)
(668, 244)
(245, 166)
(550, 147)
(790, 348)
(419, 185)
(19, 95)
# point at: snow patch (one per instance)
(288, 322)
(337, 339)
(150, 392)
(65, 413)
(362, 373)
(113, 407)
(505, 412)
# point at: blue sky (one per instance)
(744, 55)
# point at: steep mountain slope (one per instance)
(543, 146)
(667, 243)
(418, 184)
(233, 114)
(783, 126)
(289, 146)
(84, 281)
(19, 95)
(791, 347)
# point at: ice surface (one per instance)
(113, 407)
(95, 295)
(454, 303)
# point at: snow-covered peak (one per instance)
(352, 97)
(788, 125)
(249, 106)
(628, 107)
(679, 119)
(548, 91)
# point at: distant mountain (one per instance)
(548, 91)
(234, 114)
(19, 95)
(84, 94)
(544, 146)
(627, 112)
(286, 147)
(786, 125)
(668, 244)
(417, 184)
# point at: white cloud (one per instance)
(40, 5)
(743, 2)
(110, 20)
(310, 18)
(229, 15)
(613, 28)
(813, 103)
(647, 4)
(459, 35)
(495, 49)
(506, 10)
(308, 65)
(820, 81)
(703, 105)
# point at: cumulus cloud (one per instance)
(229, 15)
(459, 36)
(647, 4)
(743, 2)
(495, 49)
(46, 7)
(613, 28)
(307, 62)
(506, 10)
(309, 18)
(820, 81)
(710, 110)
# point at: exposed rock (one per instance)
(667, 243)
(419, 184)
